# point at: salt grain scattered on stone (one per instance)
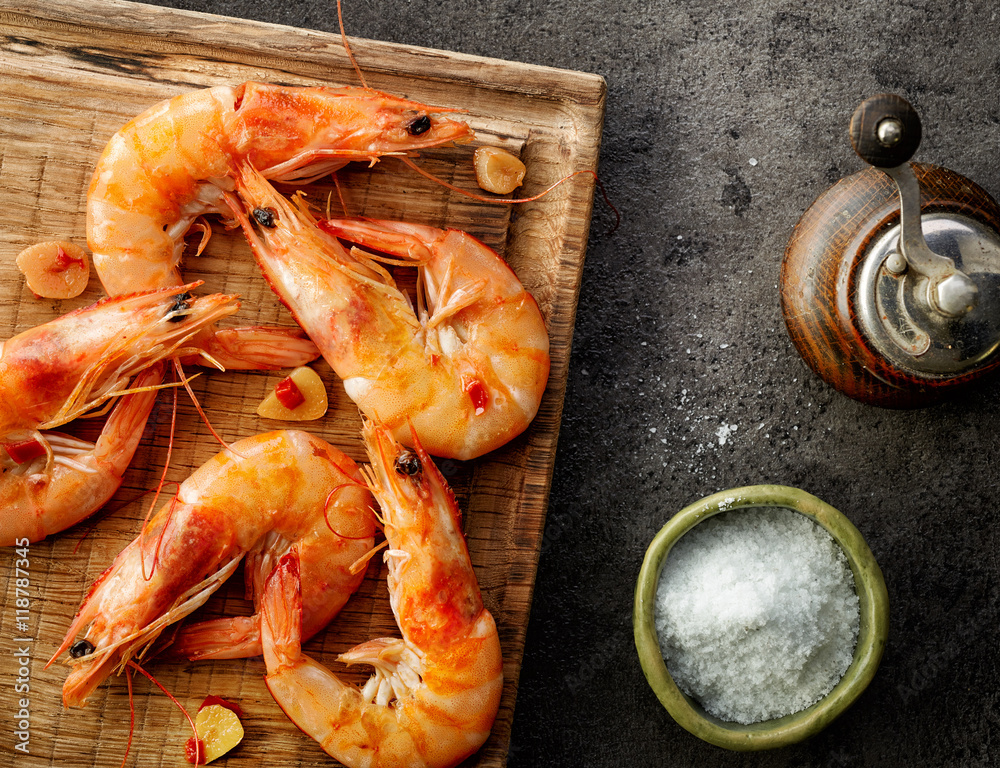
(725, 431)
(756, 614)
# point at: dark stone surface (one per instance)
(679, 334)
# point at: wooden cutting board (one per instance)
(71, 74)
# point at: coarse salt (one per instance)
(756, 613)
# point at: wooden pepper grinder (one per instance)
(890, 284)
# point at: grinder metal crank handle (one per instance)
(885, 132)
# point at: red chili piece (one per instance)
(194, 751)
(478, 394)
(289, 394)
(212, 700)
(25, 450)
(63, 261)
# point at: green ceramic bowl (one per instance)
(873, 629)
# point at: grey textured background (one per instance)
(679, 335)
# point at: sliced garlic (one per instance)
(55, 270)
(219, 729)
(313, 391)
(497, 170)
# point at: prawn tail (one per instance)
(416, 244)
(254, 348)
(281, 615)
(237, 637)
(234, 637)
(410, 242)
(309, 694)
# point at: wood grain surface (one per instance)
(71, 74)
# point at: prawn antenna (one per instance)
(340, 195)
(131, 715)
(326, 509)
(511, 200)
(154, 681)
(201, 411)
(347, 47)
(362, 562)
(156, 496)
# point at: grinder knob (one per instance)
(885, 130)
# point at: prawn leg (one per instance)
(51, 494)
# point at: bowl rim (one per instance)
(873, 626)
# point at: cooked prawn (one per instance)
(466, 368)
(67, 479)
(262, 497)
(174, 163)
(435, 693)
(55, 372)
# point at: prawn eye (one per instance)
(265, 217)
(408, 463)
(419, 125)
(81, 648)
(178, 310)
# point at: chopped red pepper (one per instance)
(210, 700)
(194, 751)
(25, 450)
(63, 261)
(477, 393)
(289, 394)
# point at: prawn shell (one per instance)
(466, 367)
(265, 496)
(435, 693)
(176, 162)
